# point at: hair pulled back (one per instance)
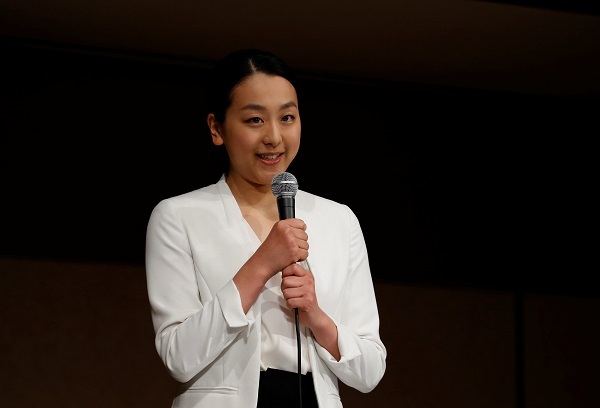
(234, 68)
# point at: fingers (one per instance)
(294, 270)
(296, 227)
(292, 234)
(295, 223)
(296, 282)
(298, 289)
(305, 303)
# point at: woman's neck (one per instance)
(259, 198)
(257, 205)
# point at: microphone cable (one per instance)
(306, 266)
(299, 343)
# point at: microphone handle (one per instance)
(286, 205)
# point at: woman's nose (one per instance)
(272, 135)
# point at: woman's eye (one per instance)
(254, 120)
(288, 118)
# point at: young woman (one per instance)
(226, 275)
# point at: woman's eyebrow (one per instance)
(254, 106)
(290, 104)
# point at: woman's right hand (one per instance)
(287, 243)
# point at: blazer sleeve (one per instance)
(363, 354)
(190, 331)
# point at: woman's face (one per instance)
(261, 131)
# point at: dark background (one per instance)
(452, 186)
(462, 133)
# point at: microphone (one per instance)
(285, 186)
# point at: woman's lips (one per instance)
(270, 159)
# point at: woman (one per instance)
(226, 276)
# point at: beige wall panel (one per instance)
(446, 348)
(80, 334)
(561, 351)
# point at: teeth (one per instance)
(271, 157)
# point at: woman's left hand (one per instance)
(298, 288)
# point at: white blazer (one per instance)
(196, 242)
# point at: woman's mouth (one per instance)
(270, 158)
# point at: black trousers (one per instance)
(278, 388)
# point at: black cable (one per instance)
(299, 358)
(306, 266)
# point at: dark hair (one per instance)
(234, 68)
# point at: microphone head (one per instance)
(284, 184)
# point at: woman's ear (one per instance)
(215, 130)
